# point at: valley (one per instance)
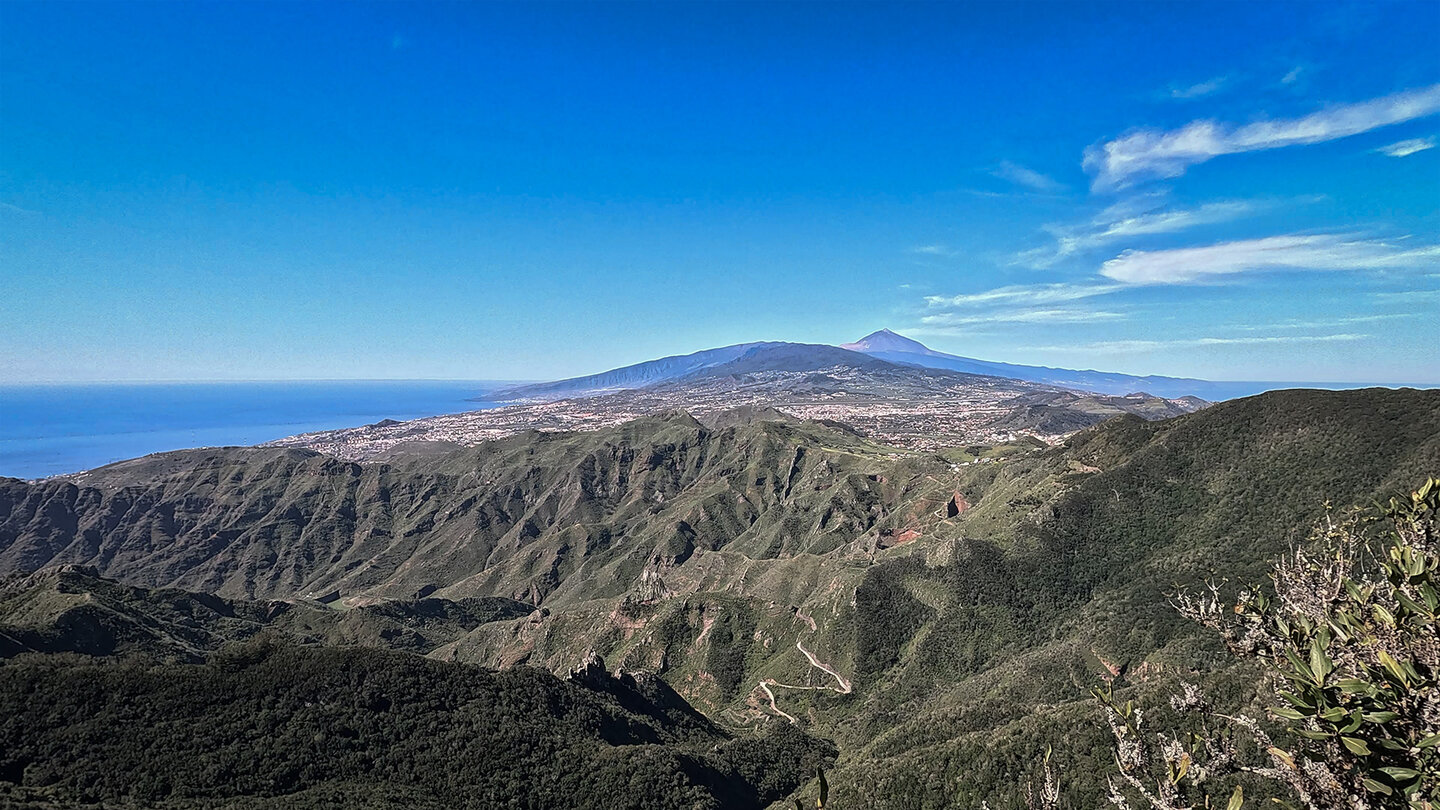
(940, 621)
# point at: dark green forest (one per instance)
(299, 726)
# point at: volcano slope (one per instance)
(941, 620)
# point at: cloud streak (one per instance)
(1029, 178)
(1133, 346)
(1022, 295)
(1022, 316)
(1291, 252)
(1199, 90)
(1407, 147)
(935, 250)
(1152, 153)
(1325, 324)
(1113, 226)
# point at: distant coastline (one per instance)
(56, 428)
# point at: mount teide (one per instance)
(899, 402)
(896, 348)
(884, 345)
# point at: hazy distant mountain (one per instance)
(638, 375)
(792, 357)
(887, 345)
(873, 352)
(742, 358)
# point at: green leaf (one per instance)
(1237, 799)
(1319, 661)
(1392, 666)
(1379, 717)
(1288, 714)
(1400, 774)
(1353, 725)
(1356, 746)
(1296, 701)
(1429, 742)
(1301, 673)
(1410, 604)
(1382, 615)
(1282, 756)
(1355, 686)
(1375, 787)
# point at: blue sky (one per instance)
(233, 191)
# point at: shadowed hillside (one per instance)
(942, 616)
(274, 726)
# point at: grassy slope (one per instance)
(1078, 571)
(970, 645)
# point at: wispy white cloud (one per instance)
(1292, 252)
(1022, 295)
(1407, 147)
(1134, 346)
(1117, 224)
(1150, 153)
(1204, 88)
(1289, 78)
(1408, 296)
(935, 250)
(1029, 178)
(1022, 316)
(1331, 323)
(15, 209)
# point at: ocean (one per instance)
(52, 429)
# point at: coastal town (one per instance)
(917, 412)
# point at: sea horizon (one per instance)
(58, 428)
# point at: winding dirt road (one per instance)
(844, 688)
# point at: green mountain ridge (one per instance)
(70, 608)
(941, 619)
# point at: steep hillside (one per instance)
(267, 725)
(1060, 413)
(942, 616)
(72, 609)
(1003, 637)
(518, 518)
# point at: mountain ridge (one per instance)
(888, 345)
(964, 602)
